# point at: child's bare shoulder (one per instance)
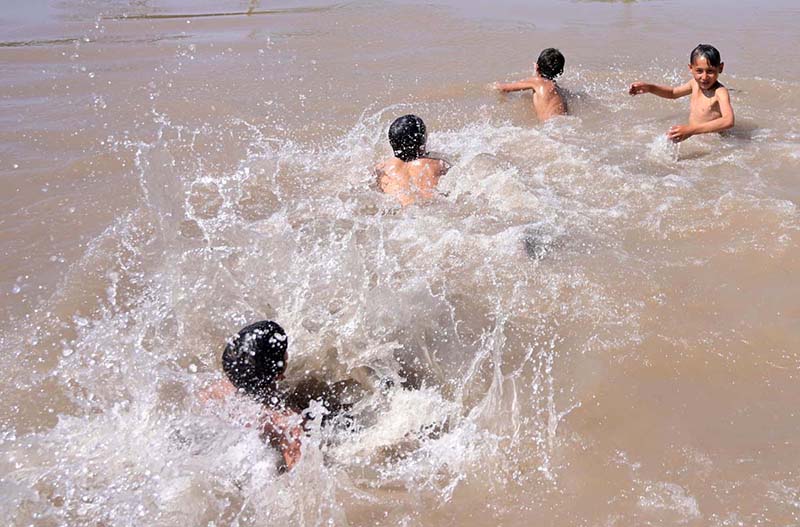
(547, 82)
(539, 82)
(387, 167)
(434, 164)
(391, 163)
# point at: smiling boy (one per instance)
(710, 109)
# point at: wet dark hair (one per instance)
(255, 357)
(407, 136)
(550, 63)
(710, 53)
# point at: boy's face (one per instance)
(704, 73)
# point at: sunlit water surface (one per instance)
(602, 327)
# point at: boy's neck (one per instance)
(423, 155)
(711, 89)
(540, 76)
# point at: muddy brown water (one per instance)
(605, 327)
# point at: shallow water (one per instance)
(604, 326)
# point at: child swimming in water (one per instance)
(413, 172)
(254, 361)
(547, 98)
(710, 109)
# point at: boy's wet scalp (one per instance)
(407, 136)
(255, 357)
(550, 63)
(708, 52)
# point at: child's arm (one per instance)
(680, 133)
(527, 84)
(284, 430)
(667, 92)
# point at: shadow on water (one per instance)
(743, 131)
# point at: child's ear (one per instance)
(721, 66)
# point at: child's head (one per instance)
(255, 358)
(707, 52)
(550, 63)
(407, 136)
(705, 65)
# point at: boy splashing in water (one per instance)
(711, 109)
(254, 360)
(412, 173)
(547, 99)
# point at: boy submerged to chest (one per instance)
(710, 109)
(548, 100)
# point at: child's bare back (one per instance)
(412, 173)
(547, 98)
(408, 181)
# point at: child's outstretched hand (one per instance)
(679, 133)
(638, 87)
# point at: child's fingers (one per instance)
(639, 87)
(675, 134)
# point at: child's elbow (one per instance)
(729, 122)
